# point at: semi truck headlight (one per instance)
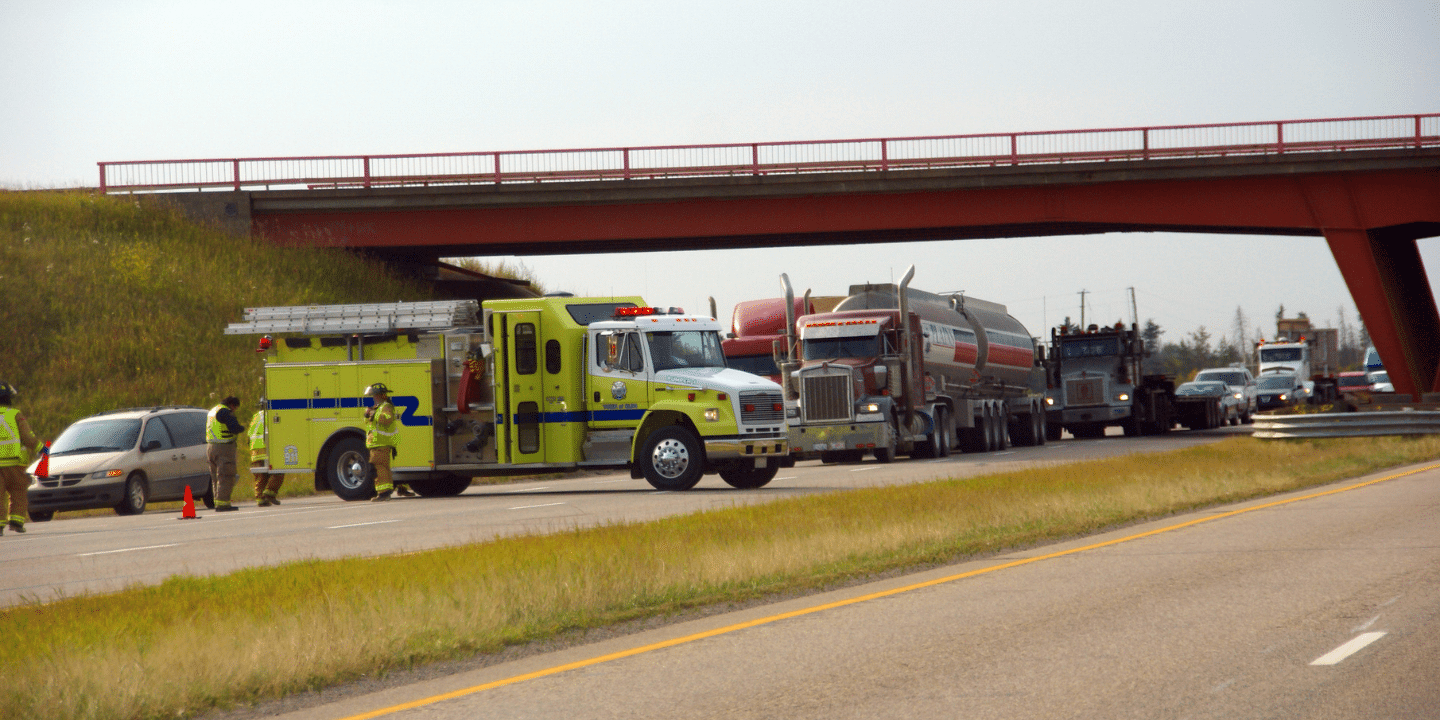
(1049, 401)
(870, 407)
(1122, 397)
(712, 414)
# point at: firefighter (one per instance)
(221, 429)
(380, 434)
(16, 442)
(267, 485)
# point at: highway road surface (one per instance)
(66, 557)
(1318, 604)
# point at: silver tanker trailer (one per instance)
(894, 370)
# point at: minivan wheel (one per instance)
(136, 493)
(209, 497)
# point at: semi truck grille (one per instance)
(761, 408)
(825, 398)
(1089, 391)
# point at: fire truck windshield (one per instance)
(1090, 347)
(834, 348)
(687, 349)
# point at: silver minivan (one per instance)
(123, 459)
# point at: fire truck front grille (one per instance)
(825, 398)
(1087, 391)
(761, 408)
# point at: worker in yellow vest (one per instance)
(16, 442)
(221, 429)
(380, 439)
(267, 484)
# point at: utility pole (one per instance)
(1082, 310)
(1134, 311)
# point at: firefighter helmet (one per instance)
(377, 389)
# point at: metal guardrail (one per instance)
(779, 158)
(1352, 424)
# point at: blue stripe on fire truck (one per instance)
(409, 404)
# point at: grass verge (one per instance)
(193, 644)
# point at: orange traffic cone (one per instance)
(188, 512)
(42, 469)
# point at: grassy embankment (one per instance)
(192, 644)
(112, 303)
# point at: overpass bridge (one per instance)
(1370, 186)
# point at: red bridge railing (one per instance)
(777, 158)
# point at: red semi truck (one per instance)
(892, 370)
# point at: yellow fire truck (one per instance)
(536, 385)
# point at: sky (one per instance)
(85, 82)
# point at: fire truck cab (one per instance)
(535, 385)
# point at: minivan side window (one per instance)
(188, 428)
(155, 432)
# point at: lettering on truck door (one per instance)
(524, 391)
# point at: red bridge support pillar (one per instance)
(1387, 279)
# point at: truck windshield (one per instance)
(688, 349)
(1280, 355)
(842, 347)
(1090, 347)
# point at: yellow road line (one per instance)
(851, 601)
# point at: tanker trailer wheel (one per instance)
(944, 431)
(937, 443)
(345, 470)
(673, 459)
(746, 476)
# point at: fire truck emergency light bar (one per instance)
(332, 319)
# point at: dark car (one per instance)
(1280, 390)
(123, 459)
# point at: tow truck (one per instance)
(532, 385)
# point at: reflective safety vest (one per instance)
(12, 451)
(257, 436)
(215, 431)
(380, 428)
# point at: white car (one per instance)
(1380, 382)
(1242, 386)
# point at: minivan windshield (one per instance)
(97, 436)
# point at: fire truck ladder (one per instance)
(368, 318)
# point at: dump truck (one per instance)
(1094, 381)
(532, 385)
(892, 370)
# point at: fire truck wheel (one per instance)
(746, 476)
(136, 493)
(345, 470)
(673, 459)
